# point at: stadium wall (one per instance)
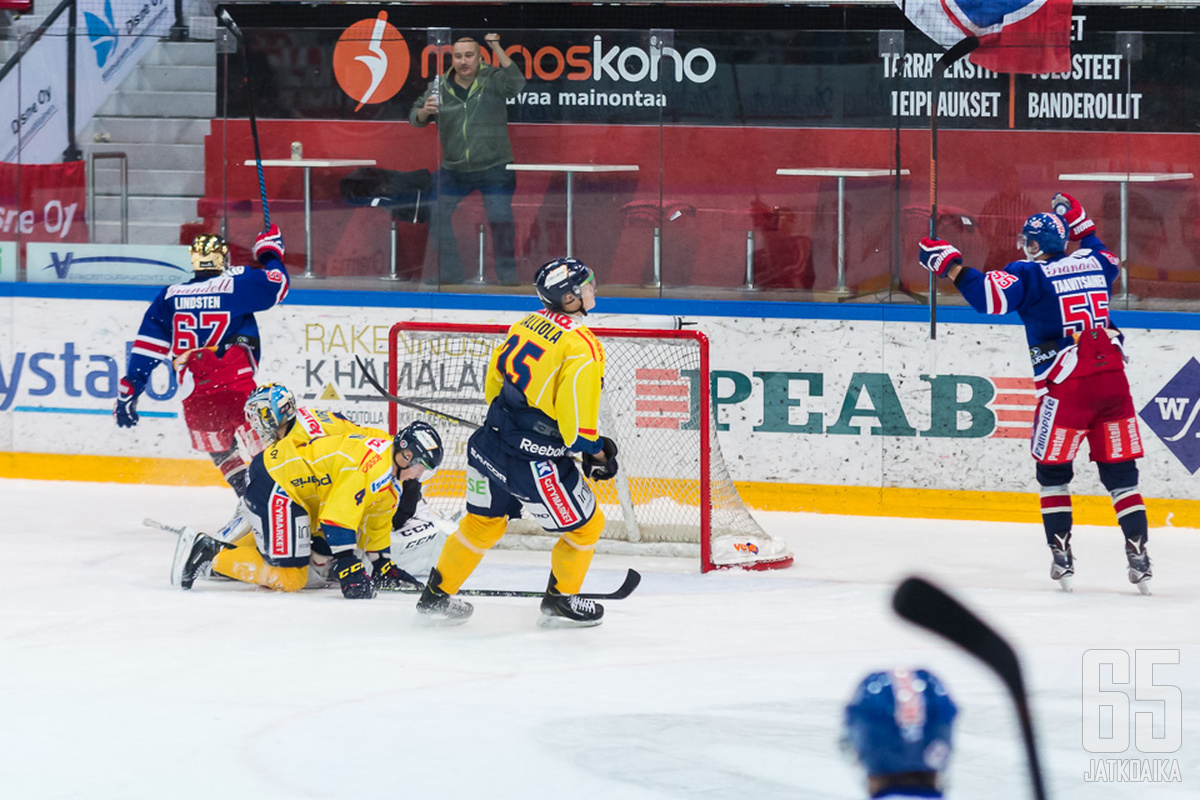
(820, 407)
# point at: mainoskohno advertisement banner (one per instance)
(798, 401)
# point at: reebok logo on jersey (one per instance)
(535, 449)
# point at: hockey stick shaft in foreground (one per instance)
(924, 604)
(408, 403)
(632, 579)
(944, 62)
(228, 22)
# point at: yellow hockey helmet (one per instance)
(210, 253)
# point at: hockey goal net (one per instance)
(673, 494)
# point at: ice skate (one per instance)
(1139, 564)
(194, 553)
(1063, 567)
(440, 608)
(569, 611)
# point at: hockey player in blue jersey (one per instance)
(898, 728)
(1078, 367)
(206, 329)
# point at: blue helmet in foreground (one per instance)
(420, 439)
(268, 408)
(899, 721)
(561, 277)
(1047, 230)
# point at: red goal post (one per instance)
(673, 494)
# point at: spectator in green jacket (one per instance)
(469, 102)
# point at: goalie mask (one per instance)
(900, 722)
(422, 444)
(1048, 231)
(210, 254)
(270, 408)
(560, 280)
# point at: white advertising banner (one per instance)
(8, 261)
(799, 401)
(140, 264)
(118, 35)
(33, 99)
(111, 37)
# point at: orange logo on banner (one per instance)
(370, 61)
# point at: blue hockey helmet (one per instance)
(557, 279)
(269, 408)
(900, 721)
(423, 442)
(1047, 230)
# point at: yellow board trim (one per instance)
(855, 500)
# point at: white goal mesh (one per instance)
(673, 494)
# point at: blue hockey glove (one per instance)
(1073, 214)
(268, 245)
(352, 577)
(604, 470)
(938, 256)
(125, 410)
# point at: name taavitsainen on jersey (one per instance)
(557, 363)
(342, 480)
(205, 312)
(1056, 299)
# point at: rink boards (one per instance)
(840, 409)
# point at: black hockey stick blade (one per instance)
(408, 403)
(920, 602)
(632, 579)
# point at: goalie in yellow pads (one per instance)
(325, 487)
(543, 389)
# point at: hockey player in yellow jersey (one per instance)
(325, 487)
(543, 389)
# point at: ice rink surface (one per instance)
(726, 685)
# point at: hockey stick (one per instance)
(632, 579)
(228, 22)
(924, 604)
(944, 62)
(230, 532)
(410, 404)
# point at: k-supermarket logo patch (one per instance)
(1172, 413)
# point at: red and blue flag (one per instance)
(1023, 36)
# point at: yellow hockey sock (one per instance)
(246, 564)
(572, 554)
(464, 550)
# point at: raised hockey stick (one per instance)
(632, 579)
(410, 404)
(228, 22)
(944, 62)
(924, 604)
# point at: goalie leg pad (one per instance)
(572, 554)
